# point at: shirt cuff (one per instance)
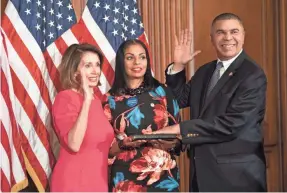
(170, 70)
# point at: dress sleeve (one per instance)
(65, 113)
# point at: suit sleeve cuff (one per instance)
(170, 70)
(185, 130)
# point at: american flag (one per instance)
(34, 36)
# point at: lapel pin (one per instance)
(230, 74)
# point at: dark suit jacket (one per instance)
(225, 132)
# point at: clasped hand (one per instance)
(127, 143)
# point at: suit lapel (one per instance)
(230, 71)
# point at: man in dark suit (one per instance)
(227, 104)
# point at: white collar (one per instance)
(226, 63)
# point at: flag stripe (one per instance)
(6, 155)
(29, 85)
(29, 130)
(40, 178)
(28, 109)
(99, 37)
(27, 148)
(69, 39)
(30, 98)
(33, 138)
(53, 71)
(9, 124)
(144, 40)
(5, 142)
(17, 168)
(55, 54)
(27, 59)
(30, 49)
(17, 165)
(61, 45)
(5, 185)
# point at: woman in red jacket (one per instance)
(83, 130)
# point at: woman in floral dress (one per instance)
(137, 103)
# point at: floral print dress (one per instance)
(143, 169)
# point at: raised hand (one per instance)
(87, 90)
(182, 50)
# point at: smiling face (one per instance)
(90, 64)
(227, 37)
(135, 62)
